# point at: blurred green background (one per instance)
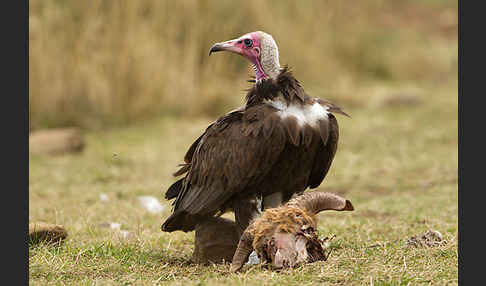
(101, 64)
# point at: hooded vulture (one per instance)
(259, 155)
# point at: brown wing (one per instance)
(234, 153)
(174, 190)
(329, 130)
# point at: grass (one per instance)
(136, 77)
(396, 161)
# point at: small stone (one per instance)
(111, 225)
(151, 204)
(104, 197)
(430, 238)
(56, 141)
(46, 232)
(125, 234)
(253, 259)
(115, 225)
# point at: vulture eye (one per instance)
(248, 43)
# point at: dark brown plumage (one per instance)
(257, 150)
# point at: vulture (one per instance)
(281, 142)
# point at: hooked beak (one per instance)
(225, 46)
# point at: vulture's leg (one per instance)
(272, 201)
(246, 209)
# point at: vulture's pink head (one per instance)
(259, 48)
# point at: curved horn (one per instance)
(315, 202)
(245, 247)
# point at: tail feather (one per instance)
(174, 190)
(181, 220)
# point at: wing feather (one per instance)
(293, 130)
(227, 160)
(327, 150)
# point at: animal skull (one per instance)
(286, 236)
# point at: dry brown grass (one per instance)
(103, 63)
